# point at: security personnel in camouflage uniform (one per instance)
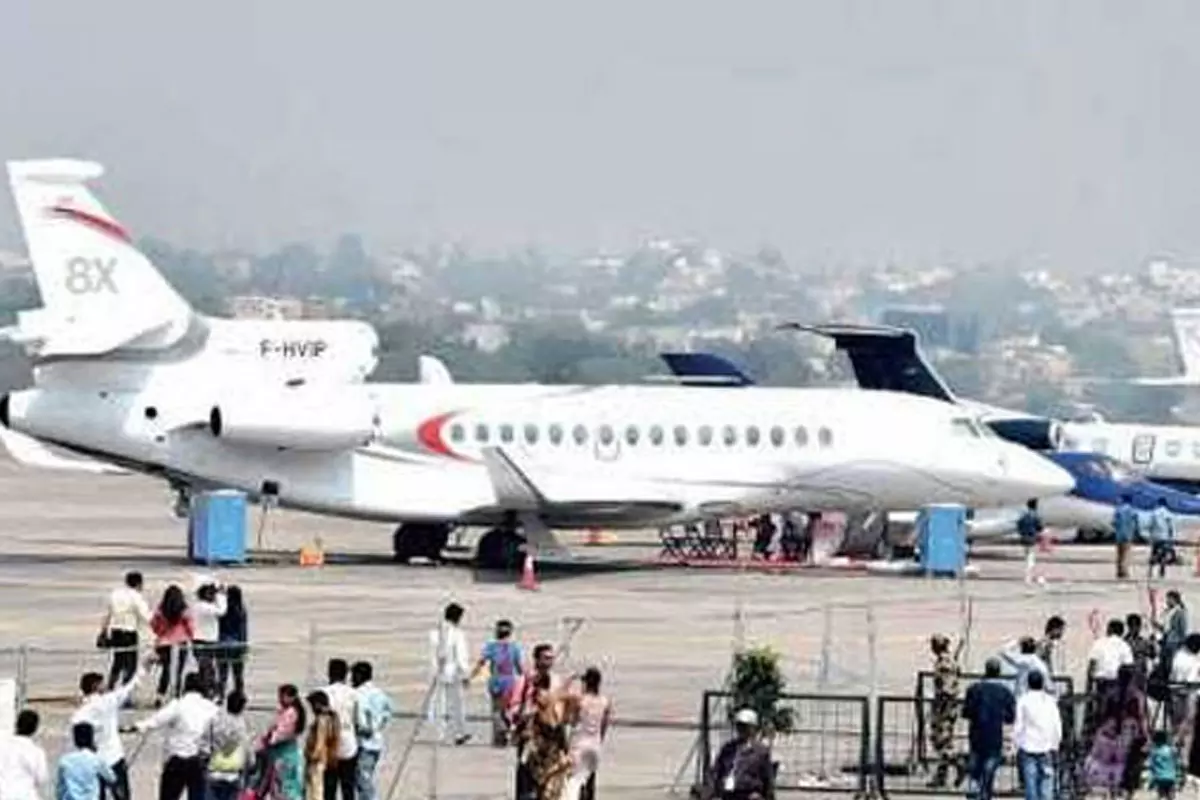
(946, 705)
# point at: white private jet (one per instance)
(127, 374)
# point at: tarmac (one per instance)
(661, 635)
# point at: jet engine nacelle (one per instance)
(296, 419)
(1036, 433)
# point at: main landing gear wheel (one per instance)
(419, 541)
(500, 549)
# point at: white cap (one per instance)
(746, 717)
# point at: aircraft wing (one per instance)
(30, 452)
(517, 492)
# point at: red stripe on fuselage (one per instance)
(97, 223)
(429, 434)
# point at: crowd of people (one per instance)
(1134, 725)
(213, 628)
(319, 744)
(557, 724)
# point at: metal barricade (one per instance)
(902, 767)
(826, 750)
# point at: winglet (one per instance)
(514, 490)
(432, 371)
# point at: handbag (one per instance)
(104, 640)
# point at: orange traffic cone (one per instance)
(528, 580)
(312, 555)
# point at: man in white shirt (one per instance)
(127, 612)
(451, 663)
(1037, 734)
(207, 609)
(102, 710)
(23, 771)
(344, 702)
(1109, 654)
(186, 720)
(1185, 675)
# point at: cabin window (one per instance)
(656, 435)
(632, 434)
(555, 434)
(729, 435)
(606, 435)
(482, 433)
(825, 437)
(580, 434)
(531, 434)
(506, 433)
(752, 436)
(801, 436)
(704, 435)
(777, 436)
(1196, 450)
(457, 433)
(1174, 448)
(681, 435)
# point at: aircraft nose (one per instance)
(1043, 477)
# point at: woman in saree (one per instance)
(547, 755)
(282, 767)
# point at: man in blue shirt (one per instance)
(1161, 532)
(1125, 530)
(505, 661)
(375, 711)
(81, 771)
(988, 707)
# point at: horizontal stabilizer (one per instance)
(30, 452)
(704, 369)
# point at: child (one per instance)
(1163, 769)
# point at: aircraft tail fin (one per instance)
(1186, 325)
(92, 278)
(704, 369)
(431, 370)
(884, 358)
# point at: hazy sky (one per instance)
(1057, 133)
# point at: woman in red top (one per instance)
(173, 632)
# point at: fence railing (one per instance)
(826, 748)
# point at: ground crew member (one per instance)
(451, 673)
(1029, 528)
(1161, 532)
(1125, 530)
(945, 708)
